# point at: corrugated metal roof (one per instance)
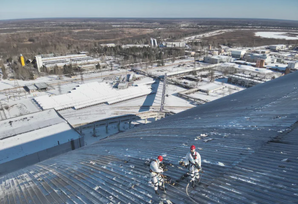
(250, 155)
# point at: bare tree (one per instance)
(4, 73)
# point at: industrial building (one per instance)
(277, 47)
(175, 44)
(247, 141)
(243, 81)
(51, 62)
(262, 51)
(260, 63)
(90, 94)
(254, 57)
(238, 53)
(293, 65)
(217, 59)
(108, 45)
(134, 45)
(153, 42)
(42, 86)
(28, 139)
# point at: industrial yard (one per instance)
(158, 102)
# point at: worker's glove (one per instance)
(186, 166)
(181, 163)
(197, 166)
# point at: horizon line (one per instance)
(43, 18)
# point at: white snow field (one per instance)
(276, 35)
(91, 94)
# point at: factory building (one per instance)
(238, 53)
(51, 62)
(277, 47)
(254, 57)
(293, 65)
(153, 42)
(260, 63)
(175, 44)
(134, 45)
(108, 45)
(217, 59)
(243, 81)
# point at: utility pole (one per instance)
(163, 97)
(82, 77)
(16, 87)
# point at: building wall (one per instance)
(293, 65)
(277, 47)
(211, 60)
(256, 57)
(238, 53)
(38, 62)
(175, 44)
(242, 81)
(40, 156)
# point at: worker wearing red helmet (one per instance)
(193, 161)
(156, 174)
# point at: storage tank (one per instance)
(22, 60)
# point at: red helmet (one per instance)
(160, 158)
(192, 147)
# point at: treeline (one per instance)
(138, 54)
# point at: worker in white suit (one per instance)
(193, 162)
(156, 174)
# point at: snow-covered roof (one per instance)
(248, 144)
(277, 66)
(91, 94)
(25, 135)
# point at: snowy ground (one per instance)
(277, 35)
(208, 34)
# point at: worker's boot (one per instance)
(161, 188)
(193, 184)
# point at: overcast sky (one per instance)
(270, 9)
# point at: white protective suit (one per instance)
(155, 172)
(191, 161)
